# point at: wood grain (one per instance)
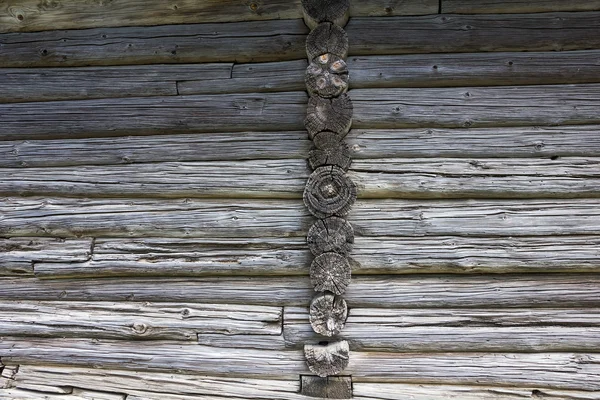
(289, 256)
(152, 115)
(29, 15)
(135, 321)
(553, 370)
(444, 291)
(475, 107)
(516, 6)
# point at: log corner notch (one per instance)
(329, 193)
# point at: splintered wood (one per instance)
(329, 192)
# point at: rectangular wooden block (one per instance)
(331, 387)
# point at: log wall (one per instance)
(152, 227)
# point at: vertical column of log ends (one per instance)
(329, 193)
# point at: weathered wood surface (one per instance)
(459, 291)
(135, 321)
(29, 15)
(319, 11)
(329, 358)
(207, 218)
(476, 107)
(578, 371)
(43, 84)
(327, 314)
(152, 115)
(516, 6)
(284, 40)
(400, 330)
(333, 387)
(25, 394)
(519, 142)
(189, 387)
(289, 256)
(568, 177)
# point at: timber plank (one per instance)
(155, 385)
(135, 321)
(381, 178)
(37, 393)
(400, 330)
(44, 84)
(553, 370)
(516, 6)
(289, 256)
(445, 291)
(29, 15)
(205, 218)
(261, 41)
(476, 107)
(519, 142)
(152, 115)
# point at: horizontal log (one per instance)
(206, 218)
(152, 115)
(289, 256)
(516, 6)
(553, 370)
(562, 141)
(476, 107)
(43, 84)
(23, 16)
(274, 40)
(447, 291)
(380, 178)
(39, 394)
(455, 330)
(135, 321)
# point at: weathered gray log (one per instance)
(330, 149)
(329, 192)
(135, 321)
(404, 178)
(330, 272)
(331, 387)
(319, 11)
(327, 314)
(25, 15)
(163, 385)
(43, 84)
(281, 76)
(476, 107)
(37, 393)
(204, 218)
(459, 291)
(194, 43)
(474, 69)
(538, 142)
(152, 115)
(330, 234)
(327, 76)
(327, 38)
(432, 330)
(516, 6)
(328, 358)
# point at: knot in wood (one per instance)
(317, 11)
(332, 234)
(329, 149)
(329, 192)
(328, 314)
(330, 272)
(327, 38)
(327, 76)
(139, 328)
(327, 359)
(333, 115)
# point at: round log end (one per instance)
(329, 192)
(327, 76)
(330, 272)
(317, 11)
(327, 38)
(334, 115)
(328, 314)
(329, 149)
(332, 234)
(328, 358)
